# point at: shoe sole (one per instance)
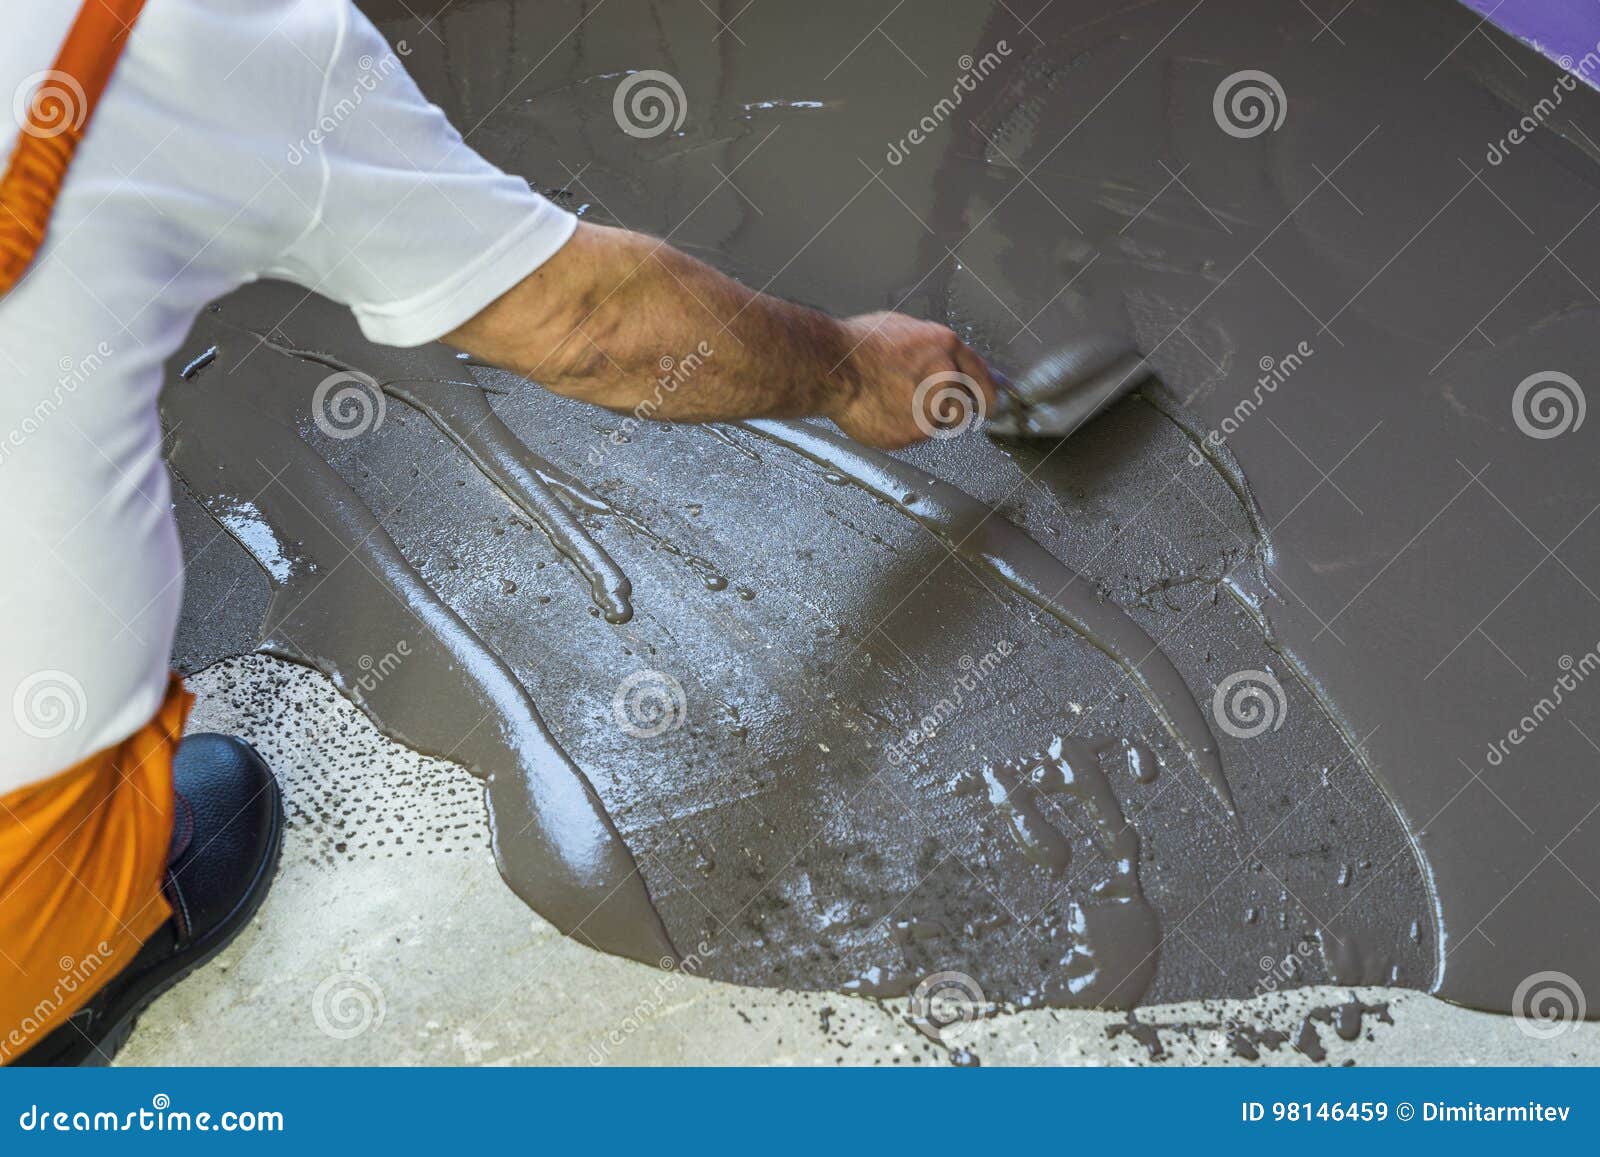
(98, 1051)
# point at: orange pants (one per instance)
(82, 857)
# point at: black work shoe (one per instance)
(225, 842)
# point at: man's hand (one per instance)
(612, 310)
(913, 378)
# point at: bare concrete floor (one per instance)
(389, 938)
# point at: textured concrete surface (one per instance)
(390, 938)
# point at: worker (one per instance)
(164, 155)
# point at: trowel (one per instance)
(1062, 391)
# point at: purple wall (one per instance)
(1557, 28)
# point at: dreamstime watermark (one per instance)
(1286, 970)
(48, 704)
(1576, 671)
(72, 374)
(1274, 373)
(674, 373)
(1548, 404)
(944, 999)
(1248, 703)
(648, 704)
(972, 73)
(348, 1003)
(375, 671)
(651, 1004)
(373, 72)
(975, 672)
(1548, 1004)
(49, 103)
(347, 404)
(947, 404)
(649, 103)
(75, 974)
(1545, 107)
(1248, 103)
(159, 1117)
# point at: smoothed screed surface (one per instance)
(1227, 678)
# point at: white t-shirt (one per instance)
(238, 139)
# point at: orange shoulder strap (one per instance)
(58, 111)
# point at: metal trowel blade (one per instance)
(1062, 392)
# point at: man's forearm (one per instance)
(627, 322)
(598, 319)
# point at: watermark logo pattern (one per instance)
(49, 103)
(1548, 1004)
(1249, 703)
(943, 999)
(1548, 404)
(947, 404)
(648, 704)
(348, 1003)
(649, 103)
(347, 404)
(48, 704)
(1248, 103)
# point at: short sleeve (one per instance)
(413, 230)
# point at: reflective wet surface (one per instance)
(845, 749)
